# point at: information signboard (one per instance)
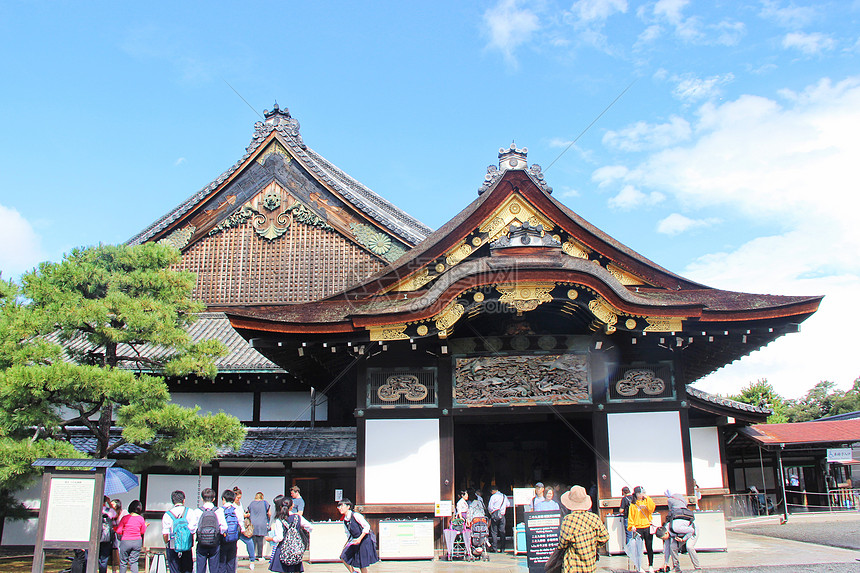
(542, 529)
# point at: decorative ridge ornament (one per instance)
(280, 120)
(513, 159)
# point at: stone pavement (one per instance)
(759, 546)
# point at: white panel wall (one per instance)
(160, 486)
(645, 449)
(705, 446)
(291, 407)
(402, 461)
(239, 404)
(270, 486)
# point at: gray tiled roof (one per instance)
(240, 356)
(382, 211)
(726, 402)
(260, 443)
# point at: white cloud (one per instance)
(642, 135)
(630, 197)
(809, 44)
(179, 162)
(675, 224)
(509, 26)
(691, 88)
(790, 16)
(787, 164)
(597, 10)
(605, 176)
(20, 246)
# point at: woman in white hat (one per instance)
(581, 533)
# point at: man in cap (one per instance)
(539, 487)
(581, 532)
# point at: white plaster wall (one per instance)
(239, 404)
(402, 461)
(705, 447)
(645, 449)
(291, 407)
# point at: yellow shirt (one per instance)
(639, 515)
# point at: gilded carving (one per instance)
(526, 296)
(180, 237)
(630, 324)
(304, 215)
(574, 249)
(603, 311)
(624, 277)
(663, 324)
(458, 253)
(448, 317)
(514, 210)
(638, 380)
(414, 282)
(405, 385)
(572, 294)
(422, 330)
(479, 297)
(388, 332)
(440, 268)
(521, 380)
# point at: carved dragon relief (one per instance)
(521, 380)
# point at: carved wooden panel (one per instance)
(649, 382)
(388, 388)
(521, 380)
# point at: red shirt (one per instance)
(131, 526)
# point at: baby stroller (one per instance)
(480, 529)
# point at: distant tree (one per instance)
(762, 394)
(822, 400)
(71, 354)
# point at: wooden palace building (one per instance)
(517, 343)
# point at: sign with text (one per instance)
(838, 454)
(542, 529)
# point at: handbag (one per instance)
(555, 561)
(249, 528)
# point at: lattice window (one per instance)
(389, 388)
(649, 382)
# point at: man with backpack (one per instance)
(227, 551)
(208, 523)
(177, 535)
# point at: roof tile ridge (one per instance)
(261, 131)
(722, 400)
(360, 194)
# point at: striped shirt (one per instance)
(581, 533)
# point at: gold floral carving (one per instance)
(458, 253)
(525, 296)
(448, 317)
(572, 294)
(574, 249)
(603, 311)
(515, 210)
(422, 330)
(479, 297)
(414, 282)
(274, 149)
(388, 332)
(630, 324)
(624, 277)
(663, 324)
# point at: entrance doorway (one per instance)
(492, 448)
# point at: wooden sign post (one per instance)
(71, 508)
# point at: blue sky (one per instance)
(728, 160)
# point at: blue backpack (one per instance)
(232, 525)
(180, 535)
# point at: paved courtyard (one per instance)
(806, 544)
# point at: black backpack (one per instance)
(208, 529)
(681, 513)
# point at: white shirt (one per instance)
(167, 521)
(462, 506)
(498, 501)
(278, 528)
(194, 517)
